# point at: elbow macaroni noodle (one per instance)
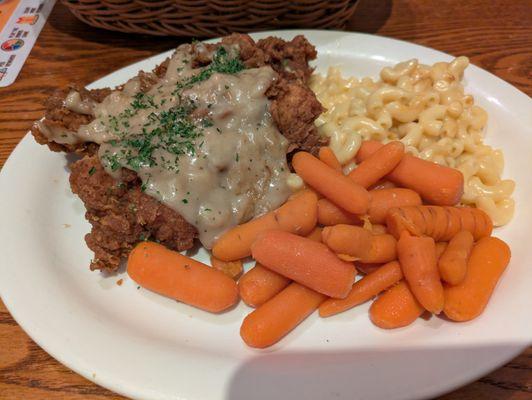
(424, 107)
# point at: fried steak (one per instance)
(120, 213)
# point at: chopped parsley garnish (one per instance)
(144, 185)
(113, 123)
(142, 101)
(222, 63)
(207, 123)
(185, 201)
(113, 161)
(92, 171)
(173, 131)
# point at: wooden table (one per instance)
(495, 35)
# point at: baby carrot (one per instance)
(383, 248)
(307, 262)
(331, 214)
(233, 269)
(382, 184)
(378, 164)
(366, 268)
(440, 248)
(347, 239)
(395, 308)
(378, 229)
(260, 284)
(367, 148)
(298, 215)
(381, 201)
(278, 316)
(364, 289)
(436, 184)
(360, 243)
(440, 223)
(338, 188)
(487, 262)
(417, 256)
(346, 257)
(315, 234)
(171, 274)
(453, 262)
(439, 185)
(327, 156)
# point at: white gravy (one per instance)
(228, 163)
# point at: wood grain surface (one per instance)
(495, 35)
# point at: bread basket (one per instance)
(210, 18)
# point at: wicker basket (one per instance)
(210, 18)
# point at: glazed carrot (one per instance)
(360, 243)
(395, 308)
(381, 201)
(410, 219)
(347, 239)
(453, 262)
(297, 215)
(383, 184)
(278, 316)
(440, 223)
(366, 268)
(383, 248)
(364, 289)
(315, 234)
(487, 262)
(260, 284)
(346, 257)
(378, 229)
(233, 269)
(331, 214)
(171, 274)
(307, 262)
(327, 156)
(436, 184)
(440, 248)
(367, 148)
(417, 256)
(378, 164)
(338, 188)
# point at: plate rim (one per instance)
(115, 385)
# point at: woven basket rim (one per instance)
(210, 18)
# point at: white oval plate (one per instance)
(146, 346)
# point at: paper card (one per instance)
(21, 22)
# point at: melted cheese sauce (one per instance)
(229, 164)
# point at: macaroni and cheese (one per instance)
(424, 107)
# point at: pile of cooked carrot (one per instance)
(393, 219)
